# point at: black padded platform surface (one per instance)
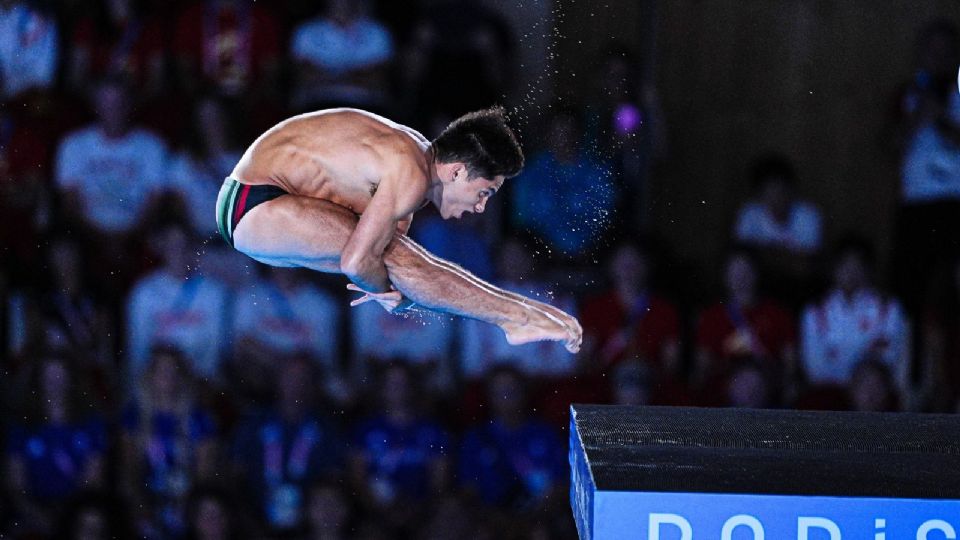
(673, 449)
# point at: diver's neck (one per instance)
(435, 188)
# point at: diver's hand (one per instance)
(392, 301)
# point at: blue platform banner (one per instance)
(624, 515)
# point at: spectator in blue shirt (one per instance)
(56, 451)
(565, 195)
(515, 460)
(280, 452)
(168, 444)
(399, 455)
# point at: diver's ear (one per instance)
(460, 171)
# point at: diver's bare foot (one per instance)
(571, 322)
(540, 327)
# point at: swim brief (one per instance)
(236, 199)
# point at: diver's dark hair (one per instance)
(483, 141)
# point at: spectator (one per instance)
(629, 320)
(940, 342)
(209, 155)
(167, 445)
(280, 453)
(515, 461)
(775, 218)
(29, 48)
(748, 385)
(175, 305)
(564, 195)
(284, 314)
(872, 388)
(342, 58)
(330, 512)
(57, 451)
(633, 384)
(116, 38)
(74, 320)
(920, 100)
(109, 174)
(422, 337)
(465, 45)
(231, 46)
(399, 457)
(744, 323)
(624, 118)
(25, 197)
(854, 321)
(94, 516)
(211, 516)
(930, 203)
(483, 345)
(458, 240)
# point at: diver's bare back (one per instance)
(339, 155)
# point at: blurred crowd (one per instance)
(157, 384)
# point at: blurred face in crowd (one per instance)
(515, 262)
(628, 268)
(345, 11)
(120, 10)
(165, 377)
(211, 519)
(850, 274)
(328, 510)
(506, 395)
(748, 388)
(55, 380)
(91, 525)
(112, 106)
(397, 391)
(65, 258)
(741, 276)
(212, 124)
(776, 195)
(173, 245)
(631, 385)
(869, 389)
(294, 384)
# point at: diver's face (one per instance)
(464, 194)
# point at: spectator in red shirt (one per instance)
(118, 38)
(231, 46)
(630, 320)
(744, 323)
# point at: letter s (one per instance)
(653, 533)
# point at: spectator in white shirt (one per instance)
(784, 229)
(210, 153)
(854, 322)
(929, 217)
(284, 314)
(775, 217)
(110, 171)
(177, 306)
(342, 58)
(109, 176)
(29, 48)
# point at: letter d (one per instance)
(804, 524)
(653, 533)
